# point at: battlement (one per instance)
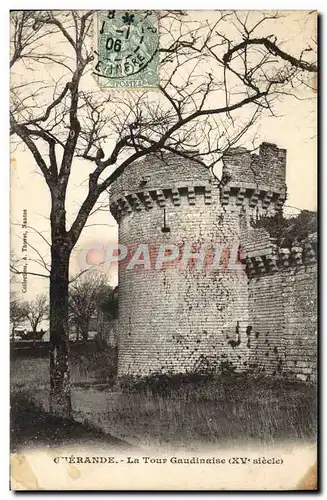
(248, 179)
(160, 172)
(187, 192)
(253, 195)
(254, 179)
(273, 259)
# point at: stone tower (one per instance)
(187, 315)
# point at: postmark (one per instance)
(126, 52)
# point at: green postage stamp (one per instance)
(126, 49)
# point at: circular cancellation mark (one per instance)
(127, 43)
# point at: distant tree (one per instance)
(108, 303)
(18, 313)
(107, 312)
(37, 311)
(84, 296)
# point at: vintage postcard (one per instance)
(163, 299)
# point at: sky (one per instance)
(294, 128)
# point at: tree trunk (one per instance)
(60, 400)
(85, 331)
(34, 332)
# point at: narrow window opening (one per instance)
(165, 228)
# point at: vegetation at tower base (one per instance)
(188, 409)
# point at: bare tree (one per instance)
(37, 311)
(60, 115)
(37, 259)
(18, 313)
(108, 302)
(42, 261)
(84, 296)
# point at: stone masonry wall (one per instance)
(283, 316)
(257, 181)
(156, 172)
(300, 294)
(268, 168)
(177, 320)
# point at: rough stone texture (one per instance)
(282, 307)
(155, 172)
(256, 181)
(268, 168)
(179, 320)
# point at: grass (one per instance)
(93, 363)
(32, 427)
(181, 411)
(217, 410)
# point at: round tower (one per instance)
(184, 313)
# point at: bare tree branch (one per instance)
(273, 49)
